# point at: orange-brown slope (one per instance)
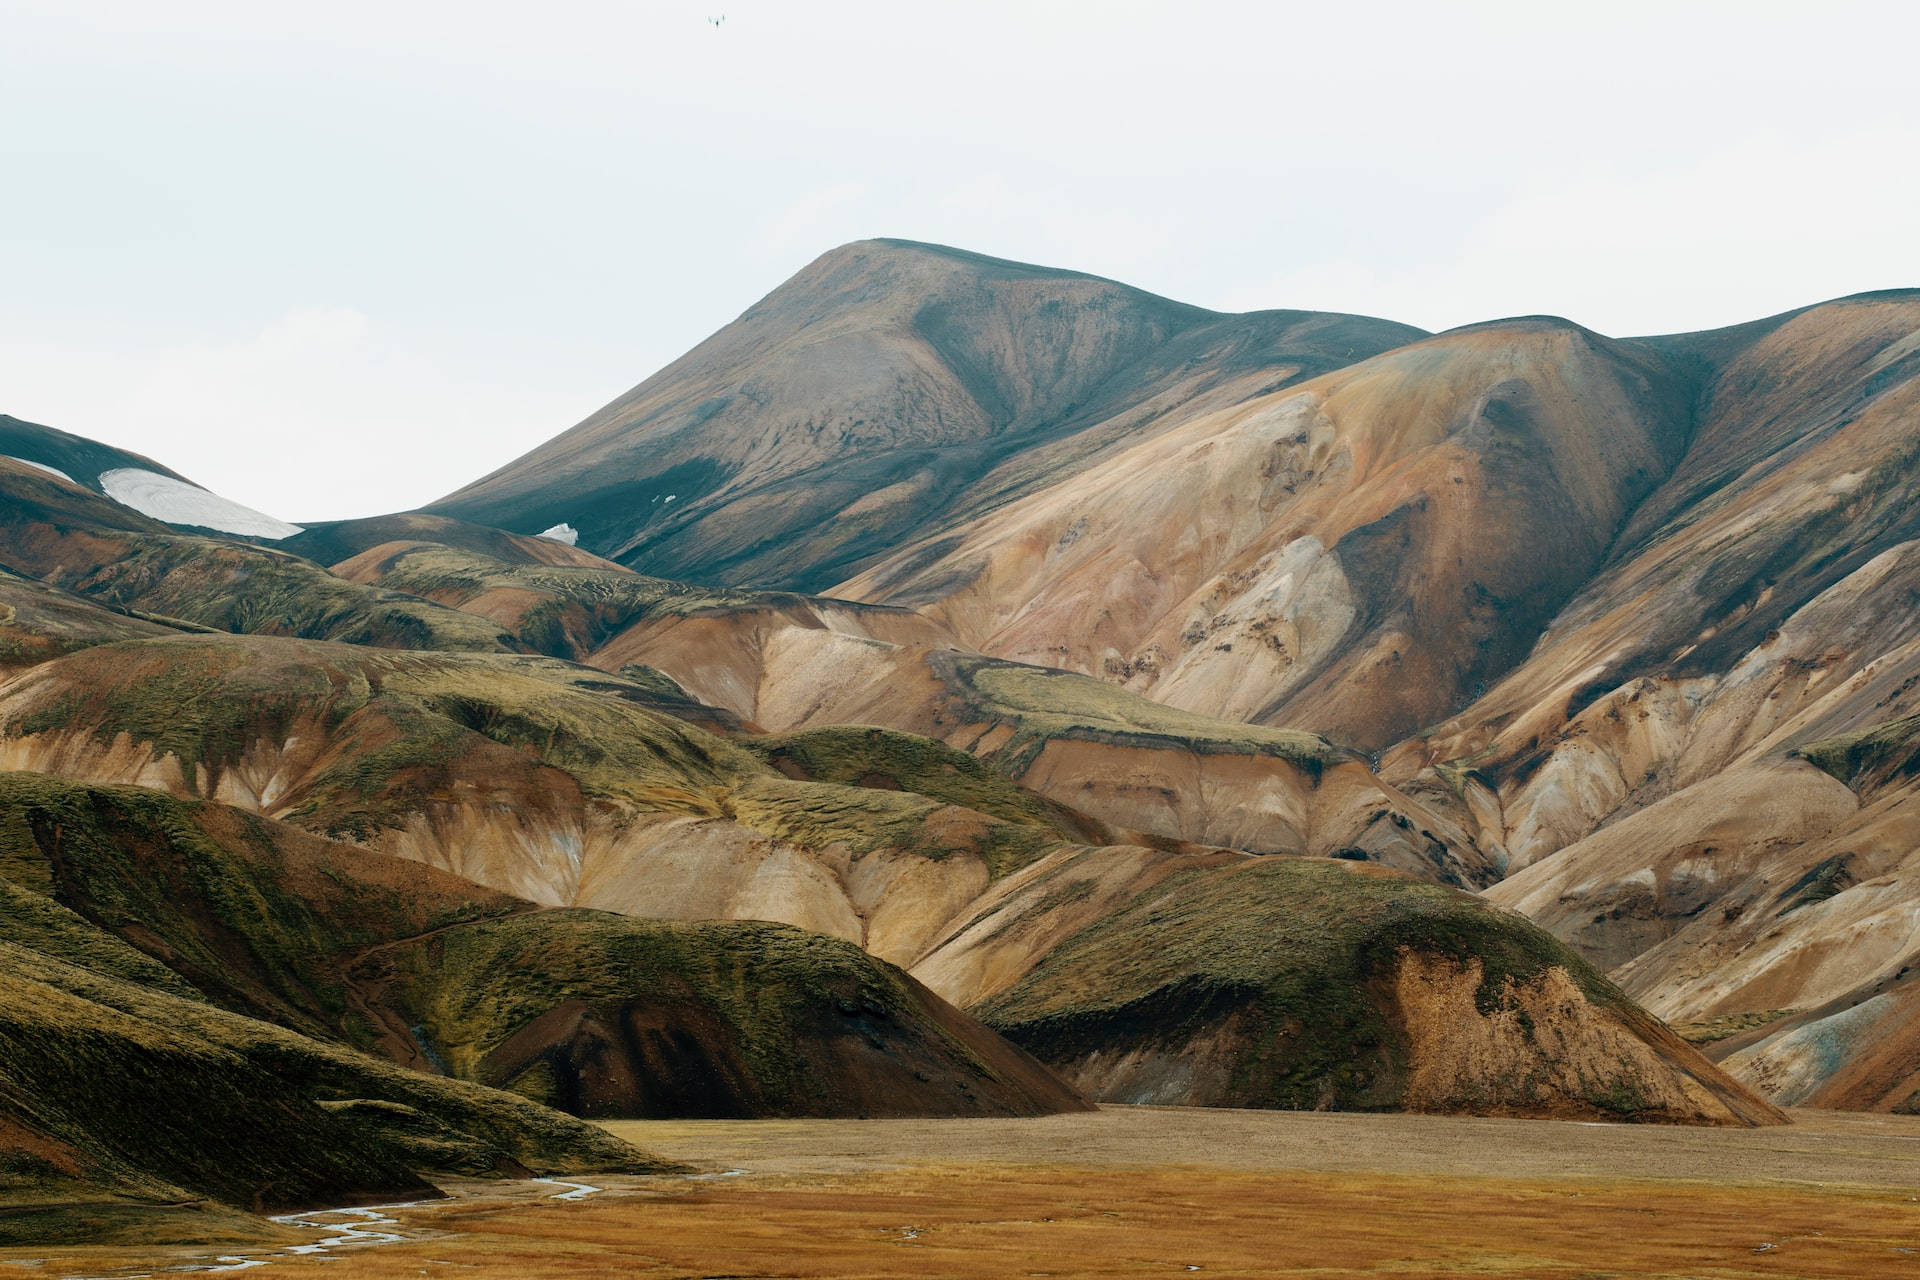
(1638, 771)
(1782, 886)
(1358, 554)
(1859, 1052)
(1764, 595)
(888, 388)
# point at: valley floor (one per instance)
(1155, 1191)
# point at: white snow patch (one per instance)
(177, 502)
(562, 532)
(41, 466)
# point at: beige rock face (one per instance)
(1860, 1052)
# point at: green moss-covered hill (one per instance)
(607, 1015)
(564, 610)
(129, 1104)
(886, 759)
(330, 542)
(1041, 705)
(1307, 983)
(592, 1012)
(1871, 759)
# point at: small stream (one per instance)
(575, 1190)
(370, 1225)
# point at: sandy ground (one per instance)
(1157, 1191)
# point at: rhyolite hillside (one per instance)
(1037, 689)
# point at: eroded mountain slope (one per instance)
(1358, 554)
(784, 661)
(1419, 997)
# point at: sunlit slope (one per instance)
(1646, 771)
(1137, 765)
(1358, 554)
(1763, 595)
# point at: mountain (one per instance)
(887, 389)
(1357, 554)
(1571, 616)
(781, 661)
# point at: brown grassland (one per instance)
(1150, 1191)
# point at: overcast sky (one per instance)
(337, 259)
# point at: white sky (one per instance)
(337, 259)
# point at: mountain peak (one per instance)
(888, 386)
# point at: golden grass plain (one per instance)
(1153, 1191)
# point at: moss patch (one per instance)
(1871, 758)
(1042, 704)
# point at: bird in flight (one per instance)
(717, 21)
